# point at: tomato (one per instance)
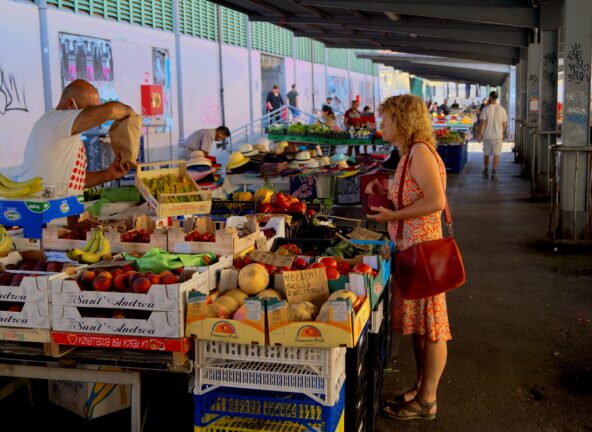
(332, 273)
(297, 207)
(310, 212)
(343, 267)
(285, 269)
(239, 263)
(294, 200)
(207, 259)
(315, 265)
(265, 208)
(300, 263)
(329, 262)
(281, 201)
(363, 269)
(270, 269)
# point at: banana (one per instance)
(19, 192)
(89, 244)
(74, 254)
(5, 241)
(104, 249)
(11, 184)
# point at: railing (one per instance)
(556, 224)
(539, 178)
(518, 139)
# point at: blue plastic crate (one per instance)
(262, 405)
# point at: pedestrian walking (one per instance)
(494, 122)
(274, 102)
(292, 97)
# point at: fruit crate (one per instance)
(233, 208)
(260, 405)
(316, 372)
(177, 168)
(316, 244)
(355, 367)
(234, 424)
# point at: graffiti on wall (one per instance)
(578, 69)
(90, 59)
(12, 98)
(337, 88)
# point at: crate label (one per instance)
(340, 311)
(254, 310)
(183, 248)
(272, 258)
(306, 285)
(364, 234)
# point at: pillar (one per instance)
(574, 168)
(45, 64)
(179, 69)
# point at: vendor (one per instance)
(54, 149)
(202, 139)
(351, 119)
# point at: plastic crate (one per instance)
(254, 404)
(348, 190)
(356, 417)
(355, 368)
(316, 372)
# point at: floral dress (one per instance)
(427, 316)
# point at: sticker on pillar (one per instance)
(152, 103)
(533, 104)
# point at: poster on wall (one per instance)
(90, 59)
(337, 88)
(370, 94)
(161, 75)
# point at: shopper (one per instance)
(54, 149)
(434, 108)
(328, 102)
(293, 101)
(329, 118)
(406, 124)
(443, 109)
(494, 122)
(203, 139)
(351, 120)
(274, 102)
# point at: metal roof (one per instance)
(491, 31)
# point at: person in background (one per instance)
(351, 119)
(292, 97)
(368, 121)
(443, 109)
(203, 139)
(328, 102)
(329, 118)
(406, 124)
(455, 105)
(434, 108)
(274, 102)
(494, 122)
(54, 149)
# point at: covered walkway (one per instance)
(520, 359)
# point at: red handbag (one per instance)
(370, 201)
(428, 268)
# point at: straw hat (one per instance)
(236, 159)
(197, 158)
(302, 156)
(261, 148)
(248, 150)
(342, 164)
(263, 142)
(313, 163)
(294, 164)
(319, 150)
(324, 161)
(338, 157)
(291, 148)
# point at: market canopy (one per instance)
(492, 31)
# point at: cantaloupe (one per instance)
(269, 294)
(344, 294)
(230, 303)
(253, 278)
(302, 312)
(238, 295)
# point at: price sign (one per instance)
(364, 234)
(306, 285)
(272, 258)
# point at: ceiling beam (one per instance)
(435, 62)
(486, 12)
(477, 78)
(490, 34)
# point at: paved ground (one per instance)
(521, 358)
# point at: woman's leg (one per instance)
(434, 360)
(418, 347)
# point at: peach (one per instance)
(178, 271)
(88, 276)
(118, 313)
(106, 274)
(116, 272)
(169, 279)
(165, 273)
(121, 282)
(141, 285)
(132, 276)
(126, 268)
(153, 278)
(102, 283)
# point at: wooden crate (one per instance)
(51, 239)
(177, 168)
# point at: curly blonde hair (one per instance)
(412, 117)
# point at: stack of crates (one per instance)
(244, 388)
(356, 385)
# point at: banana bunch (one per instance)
(96, 249)
(169, 184)
(12, 189)
(5, 241)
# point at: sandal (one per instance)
(407, 411)
(400, 399)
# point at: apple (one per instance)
(141, 285)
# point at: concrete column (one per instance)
(179, 69)
(532, 83)
(250, 65)
(45, 65)
(547, 121)
(574, 168)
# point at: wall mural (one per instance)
(337, 88)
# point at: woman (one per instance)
(329, 118)
(406, 124)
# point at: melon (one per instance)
(253, 278)
(237, 295)
(241, 313)
(230, 303)
(302, 312)
(269, 294)
(344, 295)
(217, 310)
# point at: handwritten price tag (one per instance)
(306, 285)
(272, 258)
(364, 234)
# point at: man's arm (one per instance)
(481, 129)
(296, 100)
(94, 116)
(114, 172)
(505, 127)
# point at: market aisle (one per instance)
(520, 359)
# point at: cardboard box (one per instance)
(213, 271)
(343, 329)
(177, 168)
(228, 241)
(25, 334)
(21, 243)
(277, 223)
(52, 239)
(32, 289)
(249, 331)
(168, 298)
(89, 400)
(32, 315)
(158, 324)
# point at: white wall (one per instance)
(304, 85)
(20, 67)
(132, 64)
(256, 84)
(320, 87)
(236, 85)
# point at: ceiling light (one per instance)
(392, 16)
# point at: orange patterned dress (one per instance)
(426, 316)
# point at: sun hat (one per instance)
(248, 150)
(263, 142)
(292, 148)
(294, 165)
(313, 163)
(338, 157)
(261, 148)
(302, 156)
(319, 150)
(236, 159)
(324, 161)
(197, 158)
(342, 164)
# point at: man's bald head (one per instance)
(79, 94)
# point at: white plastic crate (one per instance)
(377, 317)
(316, 372)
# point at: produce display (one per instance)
(196, 236)
(96, 249)
(283, 203)
(319, 129)
(77, 233)
(169, 184)
(17, 190)
(136, 236)
(5, 240)
(125, 279)
(32, 265)
(447, 136)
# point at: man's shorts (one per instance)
(492, 146)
